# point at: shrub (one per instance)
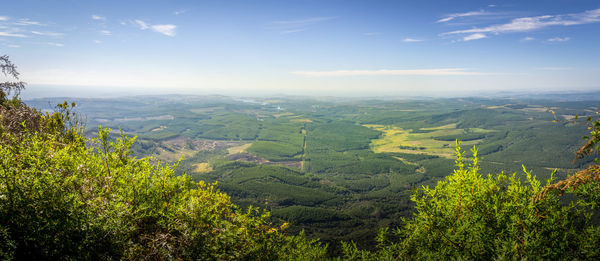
(63, 199)
(469, 216)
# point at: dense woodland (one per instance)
(296, 178)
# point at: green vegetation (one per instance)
(71, 201)
(66, 197)
(434, 141)
(276, 151)
(358, 158)
(339, 170)
(469, 216)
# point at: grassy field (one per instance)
(399, 140)
(203, 167)
(239, 149)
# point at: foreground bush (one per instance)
(498, 217)
(63, 199)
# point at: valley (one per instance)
(338, 168)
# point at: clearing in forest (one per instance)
(203, 167)
(239, 149)
(434, 141)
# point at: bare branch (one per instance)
(10, 70)
(7, 67)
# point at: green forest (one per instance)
(296, 178)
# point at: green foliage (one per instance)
(593, 139)
(339, 137)
(301, 214)
(279, 185)
(61, 199)
(461, 137)
(276, 151)
(468, 216)
(339, 171)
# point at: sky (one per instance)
(339, 48)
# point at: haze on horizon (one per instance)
(348, 48)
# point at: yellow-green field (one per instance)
(283, 114)
(162, 127)
(203, 167)
(301, 120)
(173, 155)
(394, 138)
(238, 149)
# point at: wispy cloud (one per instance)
(26, 22)
(451, 17)
(55, 44)
(476, 36)
(97, 41)
(141, 24)
(527, 39)
(417, 72)
(526, 24)
(182, 11)
(166, 29)
(559, 39)
(105, 32)
(292, 31)
(9, 34)
(292, 26)
(4, 18)
(13, 46)
(411, 40)
(53, 34)
(97, 17)
(372, 33)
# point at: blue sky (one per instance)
(303, 47)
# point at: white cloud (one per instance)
(527, 39)
(559, 39)
(372, 33)
(26, 22)
(13, 46)
(141, 24)
(411, 40)
(526, 24)
(293, 31)
(457, 15)
(8, 34)
(97, 41)
(166, 29)
(56, 44)
(421, 72)
(105, 32)
(4, 18)
(53, 34)
(97, 17)
(476, 36)
(178, 12)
